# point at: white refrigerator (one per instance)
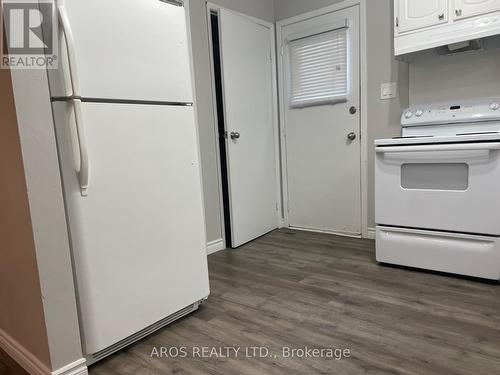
(128, 147)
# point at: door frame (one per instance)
(214, 8)
(363, 57)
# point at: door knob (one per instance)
(353, 110)
(351, 136)
(235, 135)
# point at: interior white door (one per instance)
(138, 238)
(323, 140)
(124, 50)
(247, 65)
(417, 14)
(469, 8)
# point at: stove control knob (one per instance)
(408, 114)
(419, 113)
(494, 106)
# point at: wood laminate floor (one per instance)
(299, 289)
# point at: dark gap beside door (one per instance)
(219, 98)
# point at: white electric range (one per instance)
(437, 190)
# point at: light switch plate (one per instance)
(388, 90)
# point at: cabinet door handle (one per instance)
(458, 12)
(441, 16)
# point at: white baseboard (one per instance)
(22, 356)
(32, 364)
(342, 234)
(75, 368)
(214, 246)
(370, 234)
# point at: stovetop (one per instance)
(430, 139)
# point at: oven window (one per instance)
(435, 176)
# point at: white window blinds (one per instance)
(318, 68)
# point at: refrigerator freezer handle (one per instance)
(83, 173)
(178, 3)
(70, 46)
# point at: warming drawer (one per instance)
(462, 254)
(448, 187)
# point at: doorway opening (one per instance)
(221, 126)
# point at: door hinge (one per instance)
(397, 21)
(282, 50)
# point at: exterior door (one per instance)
(322, 135)
(417, 14)
(469, 8)
(247, 73)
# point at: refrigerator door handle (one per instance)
(70, 47)
(83, 172)
(178, 3)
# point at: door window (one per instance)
(318, 69)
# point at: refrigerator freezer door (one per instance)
(124, 50)
(138, 238)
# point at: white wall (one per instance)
(262, 9)
(461, 76)
(383, 115)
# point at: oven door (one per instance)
(449, 187)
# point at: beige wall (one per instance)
(21, 308)
(383, 115)
(461, 76)
(48, 220)
(262, 9)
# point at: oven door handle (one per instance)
(441, 147)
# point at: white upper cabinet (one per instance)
(425, 24)
(418, 14)
(470, 8)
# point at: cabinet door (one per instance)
(469, 8)
(417, 14)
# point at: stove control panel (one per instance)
(484, 110)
